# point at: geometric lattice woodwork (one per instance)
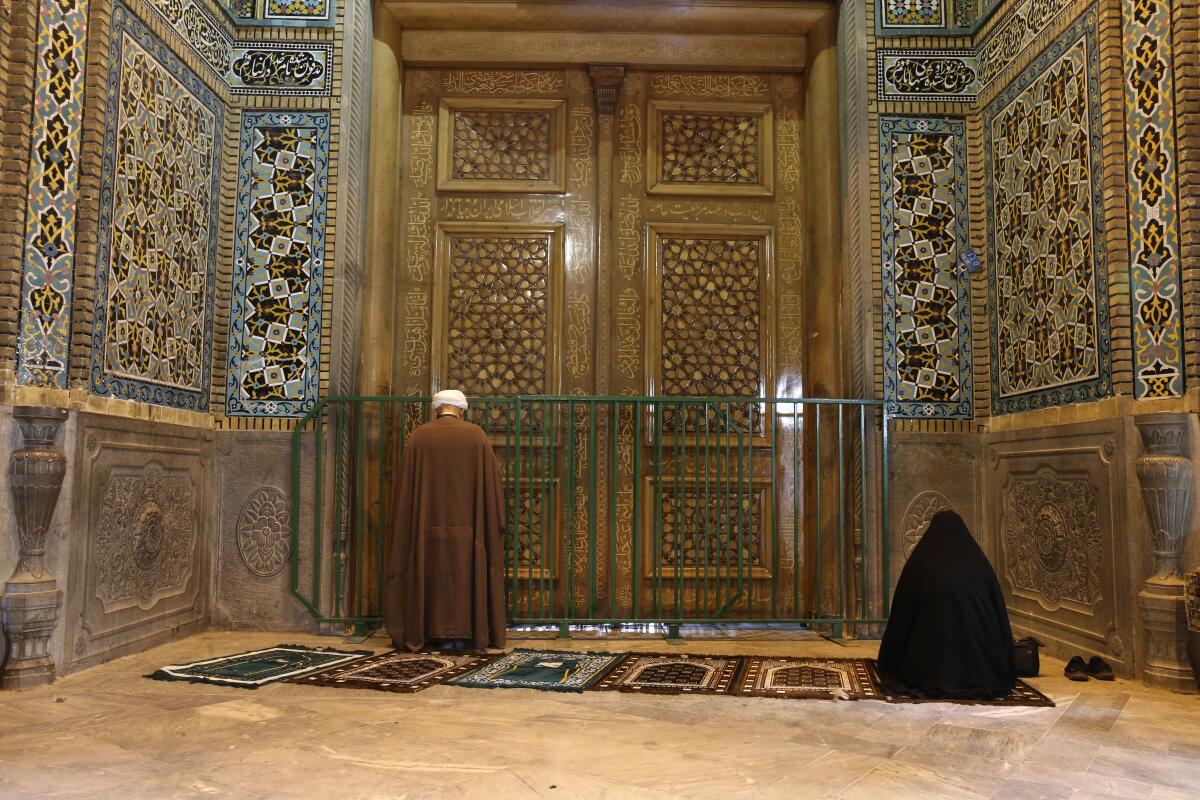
(710, 337)
(710, 528)
(497, 314)
(710, 148)
(497, 145)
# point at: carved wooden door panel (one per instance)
(565, 240)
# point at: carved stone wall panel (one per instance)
(927, 473)
(710, 148)
(1057, 508)
(498, 145)
(253, 581)
(140, 553)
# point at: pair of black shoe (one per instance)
(1096, 667)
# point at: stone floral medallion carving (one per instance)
(919, 514)
(1052, 540)
(146, 531)
(263, 531)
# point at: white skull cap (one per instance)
(450, 397)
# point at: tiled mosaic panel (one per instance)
(711, 527)
(1049, 294)
(281, 11)
(49, 257)
(299, 9)
(1153, 199)
(503, 145)
(711, 344)
(498, 320)
(158, 218)
(914, 13)
(711, 148)
(927, 320)
(279, 264)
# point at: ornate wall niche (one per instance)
(708, 324)
(703, 527)
(501, 145)
(1056, 500)
(140, 562)
(498, 307)
(710, 148)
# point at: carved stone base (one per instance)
(1168, 665)
(29, 610)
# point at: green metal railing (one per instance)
(622, 509)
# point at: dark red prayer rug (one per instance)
(397, 671)
(809, 678)
(673, 673)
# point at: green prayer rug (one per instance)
(258, 667)
(547, 670)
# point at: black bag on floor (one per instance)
(1025, 653)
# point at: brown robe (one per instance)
(445, 576)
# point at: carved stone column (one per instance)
(1165, 473)
(29, 606)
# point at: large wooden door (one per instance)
(613, 233)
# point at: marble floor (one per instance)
(109, 733)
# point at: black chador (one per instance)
(948, 634)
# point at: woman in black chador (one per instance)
(948, 635)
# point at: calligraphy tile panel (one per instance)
(49, 256)
(1049, 291)
(152, 340)
(710, 148)
(493, 145)
(926, 297)
(279, 264)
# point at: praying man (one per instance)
(445, 580)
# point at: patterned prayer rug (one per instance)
(673, 673)
(550, 670)
(809, 678)
(1022, 695)
(397, 671)
(258, 667)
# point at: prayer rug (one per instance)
(1022, 695)
(809, 678)
(548, 670)
(397, 671)
(673, 673)
(258, 667)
